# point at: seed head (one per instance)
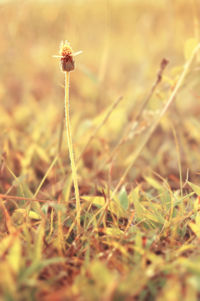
(66, 57)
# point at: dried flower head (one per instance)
(66, 60)
(66, 56)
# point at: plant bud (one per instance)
(66, 60)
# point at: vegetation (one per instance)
(134, 112)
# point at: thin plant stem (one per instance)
(71, 152)
(151, 129)
(134, 123)
(61, 133)
(45, 176)
(110, 110)
(157, 121)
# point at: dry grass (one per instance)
(137, 157)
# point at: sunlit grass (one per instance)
(135, 129)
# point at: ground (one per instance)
(134, 113)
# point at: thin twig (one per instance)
(20, 198)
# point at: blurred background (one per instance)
(123, 43)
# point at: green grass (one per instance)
(136, 136)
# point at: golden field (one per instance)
(134, 113)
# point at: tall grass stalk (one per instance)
(70, 146)
(67, 64)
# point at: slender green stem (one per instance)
(71, 152)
